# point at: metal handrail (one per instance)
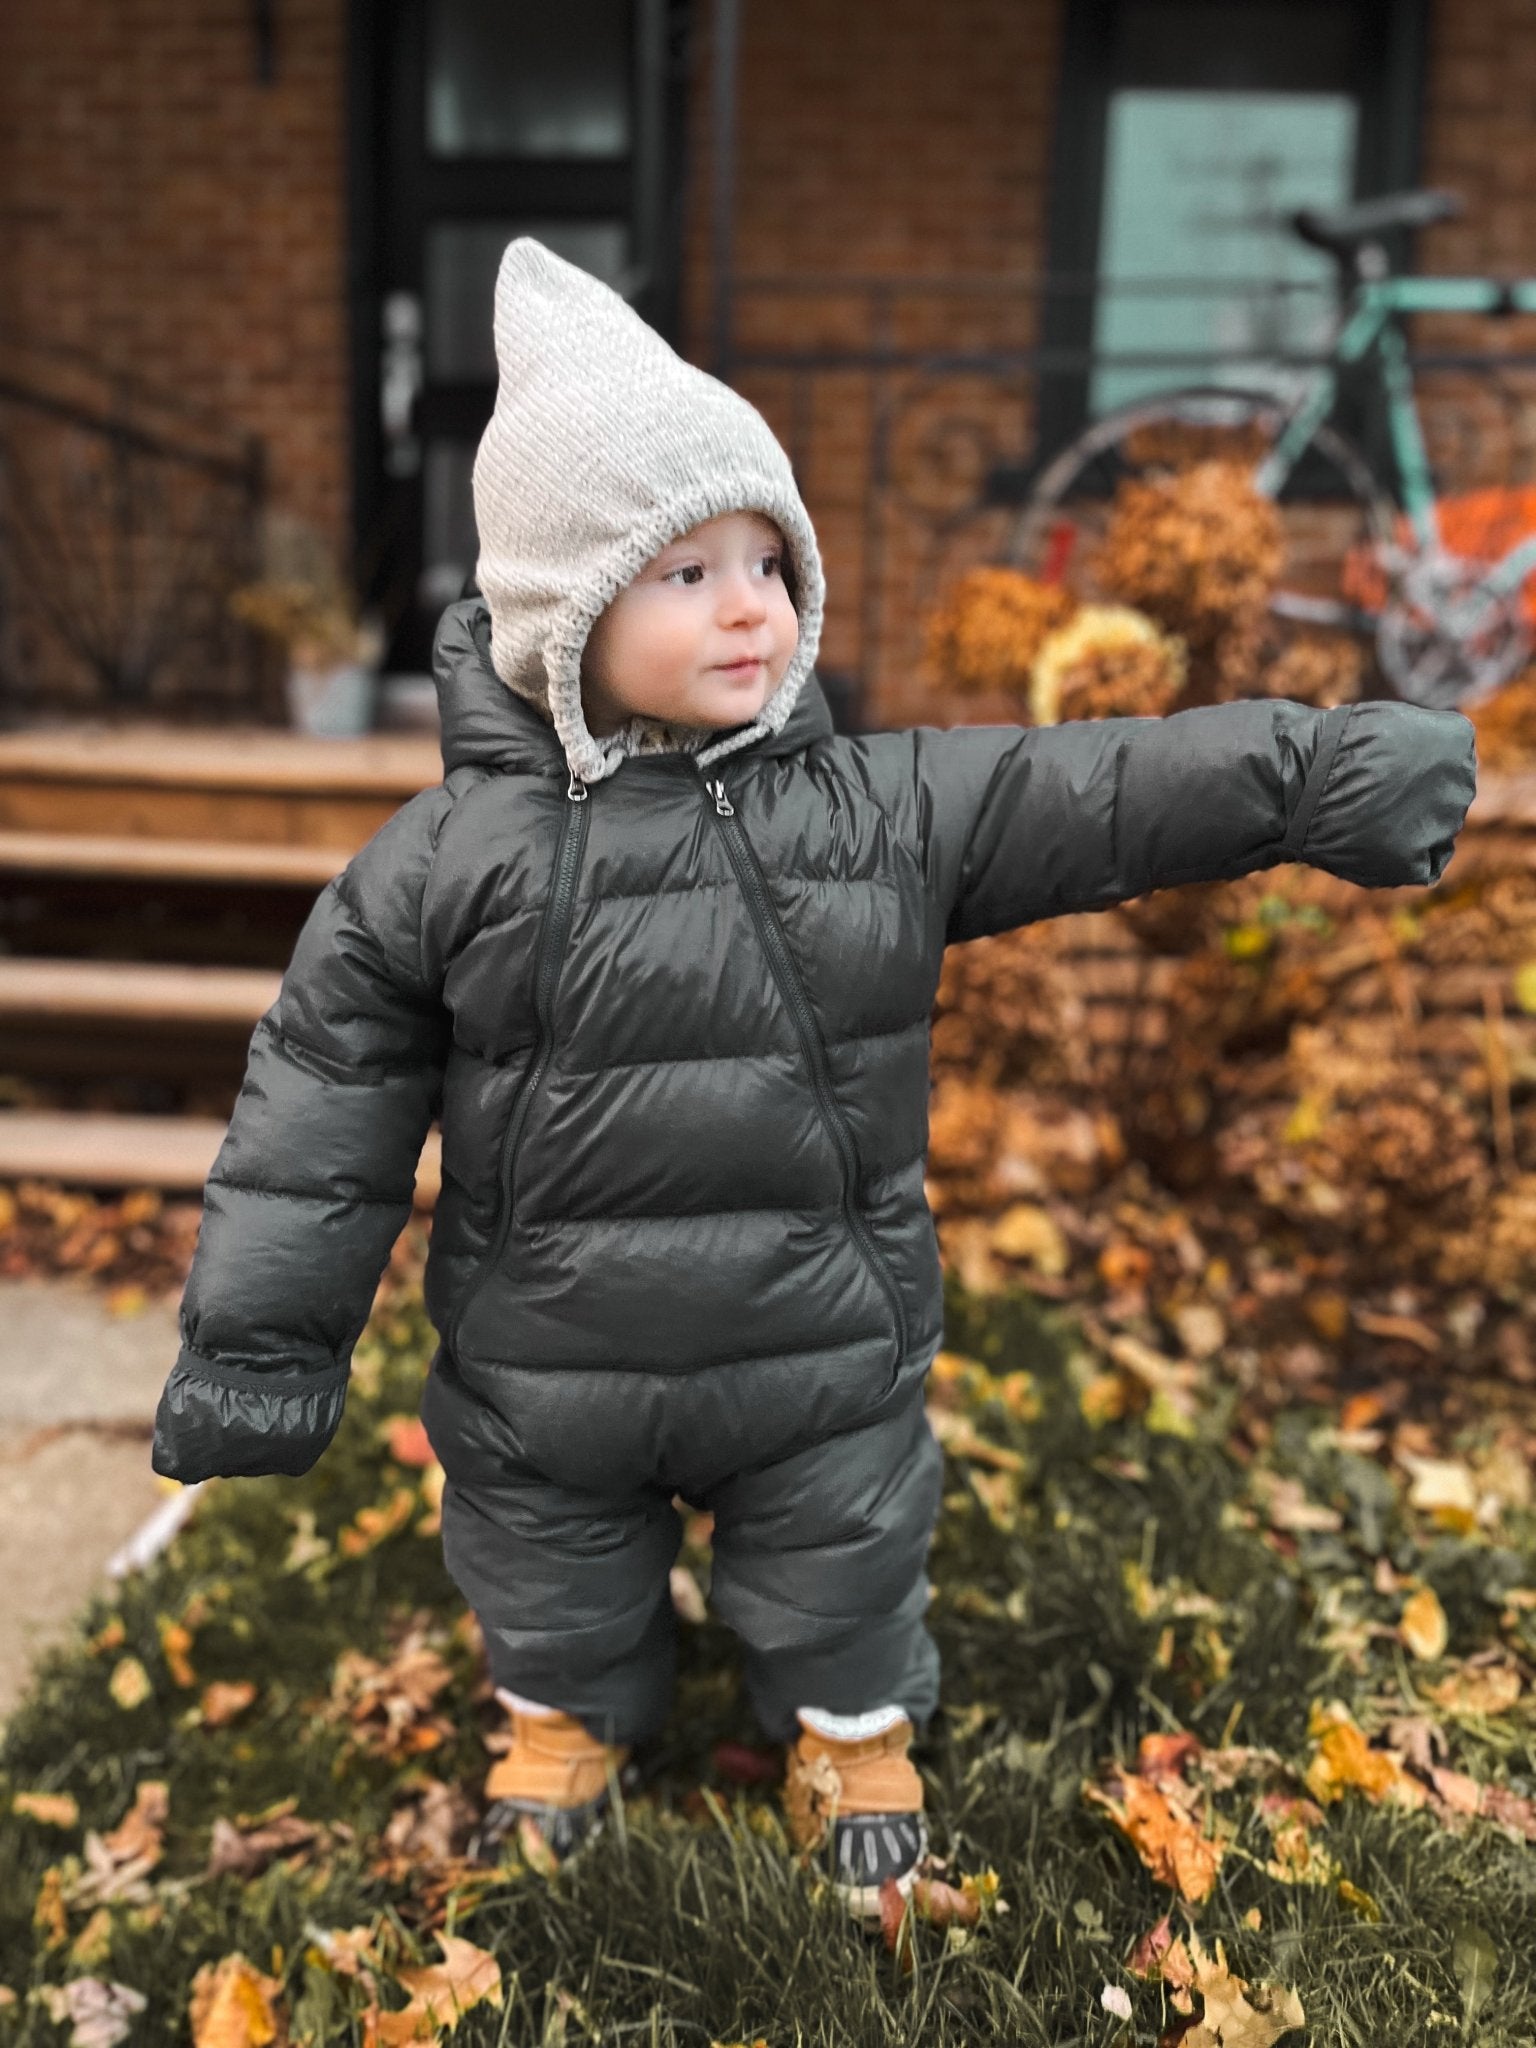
(121, 628)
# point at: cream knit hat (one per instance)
(603, 447)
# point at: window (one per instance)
(1194, 253)
(1186, 129)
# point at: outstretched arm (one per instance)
(315, 1177)
(1027, 822)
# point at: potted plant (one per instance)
(333, 650)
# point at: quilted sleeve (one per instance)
(315, 1176)
(1027, 822)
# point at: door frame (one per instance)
(379, 137)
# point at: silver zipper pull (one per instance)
(722, 804)
(578, 789)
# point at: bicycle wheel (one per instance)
(1444, 639)
(1337, 519)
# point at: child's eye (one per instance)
(692, 568)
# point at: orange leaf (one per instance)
(1161, 1757)
(138, 1833)
(232, 2005)
(129, 1684)
(53, 1809)
(944, 1904)
(110, 1637)
(224, 1699)
(370, 1526)
(1344, 1758)
(1145, 1959)
(1166, 1840)
(441, 1992)
(1478, 1689)
(1297, 1858)
(1361, 1410)
(1236, 2015)
(409, 1444)
(175, 1642)
(1423, 1626)
(1122, 1264)
(50, 1912)
(1460, 1793)
(895, 1926)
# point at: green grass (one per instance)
(689, 1922)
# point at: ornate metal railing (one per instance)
(127, 517)
(950, 435)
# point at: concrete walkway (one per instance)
(78, 1388)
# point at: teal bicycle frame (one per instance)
(1371, 322)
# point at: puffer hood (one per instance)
(484, 723)
(605, 445)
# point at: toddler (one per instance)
(660, 953)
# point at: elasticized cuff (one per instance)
(219, 1420)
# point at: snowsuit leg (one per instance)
(821, 1569)
(571, 1590)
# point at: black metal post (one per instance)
(264, 21)
(727, 45)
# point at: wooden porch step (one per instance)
(129, 991)
(243, 783)
(222, 757)
(168, 860)
(82, 1149)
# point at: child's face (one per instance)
(714, 595)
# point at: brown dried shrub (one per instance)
(985, 634)
(1118, 682)
(1199, 550)
(1499, 1250)
(1488, 921)
(1506, 724)
(1009, 1012)
(1368, 1141)
(1316, 668)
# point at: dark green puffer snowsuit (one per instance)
(675, 1026)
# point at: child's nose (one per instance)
(742, 594)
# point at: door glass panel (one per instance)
(1196, 186)
(523, 78)
(461, 263)
(450, 544)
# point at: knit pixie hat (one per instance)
(604, 446)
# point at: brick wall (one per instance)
(909, 140)
(1480, 140)
(163, 211)
(161, 208)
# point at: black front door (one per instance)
(471, 122)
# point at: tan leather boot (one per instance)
(554, 1775)
(861, 1802)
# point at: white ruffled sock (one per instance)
(515, 1703)
(852, 1727)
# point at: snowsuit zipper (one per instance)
(776, 946)
(553, 934)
